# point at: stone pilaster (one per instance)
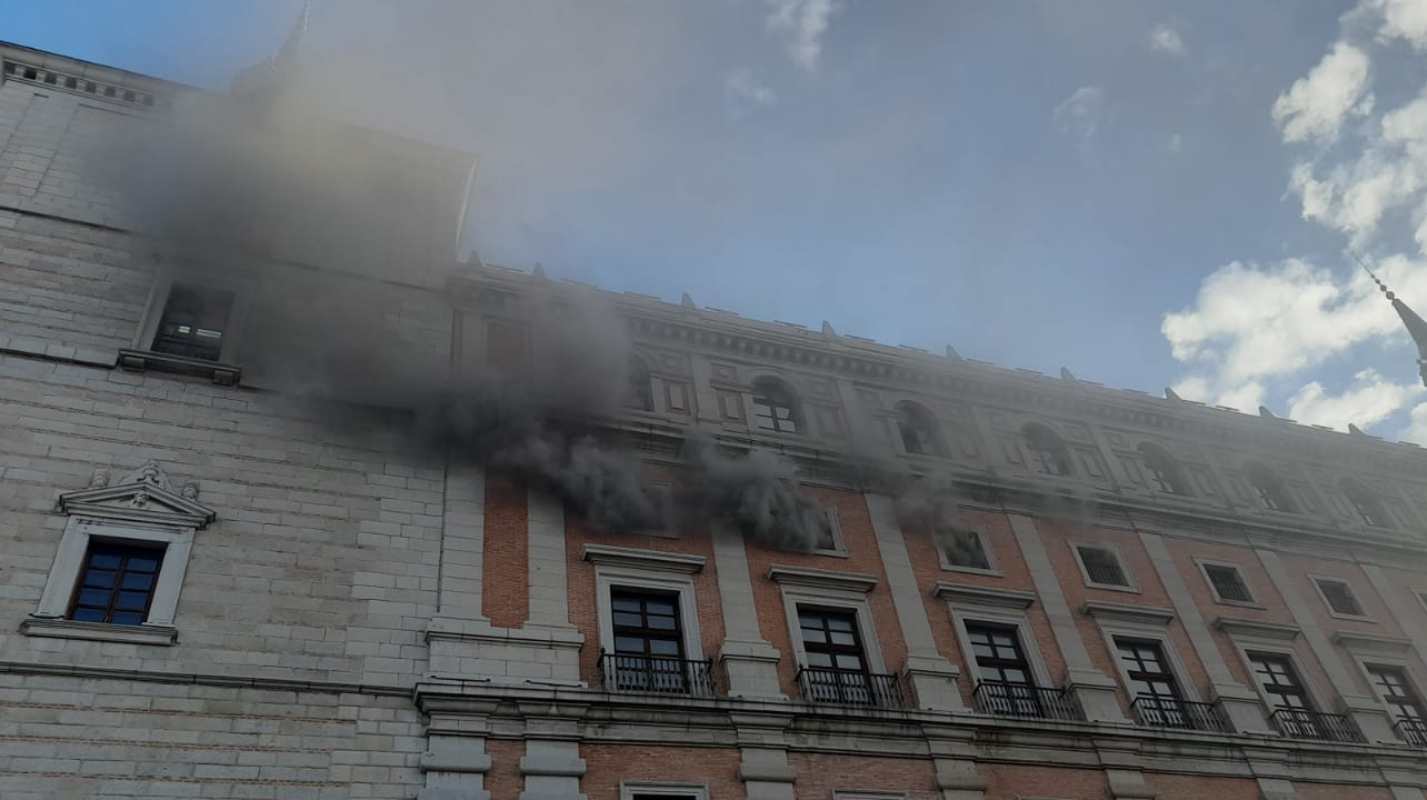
(455, 762)
(750, 662)
(463, 543)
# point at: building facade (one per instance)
(218, 582)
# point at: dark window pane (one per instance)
(138, 581)
(1102, 566)
(964, 548)
(99, 579)
(104, 560)
(1340, 597)
(117, 583)
(88, 614)
(1228, 583)
(193, 322)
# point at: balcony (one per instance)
(1168, 712)
(1413, 731)
(850, 688)
(1300, 723)
(1023, 700)
(656, 675)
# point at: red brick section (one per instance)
(856, 525)
(1196, 787)
(504, 781)
(607, 765)
(1009, 781)
(1322, 791)
(996, 533)
(506, 592)
(821, 774)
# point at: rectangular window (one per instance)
(836, 669)
(1152, 684)
(1102, 566)
(1228, 583)
(1288, 699)
(648, 641)
(1339, 596)
(1397, 691)
(116, 584)
(1002, 669)
(963, 548)
(193, 322)
(829, 533)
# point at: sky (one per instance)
(1149, 194)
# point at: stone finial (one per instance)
(1265, 413)
(1066, 375)
(149, 473)
(686, 301)
(190, 490)
(1355, 430)
(100, 479)
(952, 354)
(539, 272)
(1170, 395)
(827, 329)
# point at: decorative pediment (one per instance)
(145, 495)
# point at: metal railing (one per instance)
(1169, 712)
(656, 674)
(849, 687)
(1024, 700)
(1413, 731)
(1300, 723)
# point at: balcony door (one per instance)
(836, 669)
(1153, 686)
(648, 641)
(1003, 671)
(1291, 705)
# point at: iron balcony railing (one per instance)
(850, 687)
(1411, 730)
(1300, 723)
(1024, 700)
(1170, 712)
(657, 674)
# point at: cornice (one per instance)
(966, 594)
(1127, 612)
(1263, 630)
(859, 582)
(657, 560)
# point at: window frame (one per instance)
(1411, 680)
(839, 544)
(633, 790)
(133, 546)
(795, 407)
(1176, 479)
(1251, 637)
(1275, 486)
(1205, 563)
(992, 565)
(1135, 622)
(1034, 454)
(994, 607)
(1318, 580)
(1357, 494)
(1131, 586)
(1366, 650)
(226, 370)
(819, 591)
(910, 410)
(624, 570)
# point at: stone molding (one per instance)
(638, 558)
(164, 635)
(144, 495)
(1126, 612)
(823, 579)
(1372, 643)
(966, 594)
(1263, 630)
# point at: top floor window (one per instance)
(918, 429)
(1268, 488)
(774, 406)
(1049, 454)
(639, 392)
(1367, 504)
(1164, 472)
(193, 322)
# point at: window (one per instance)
(1367, 504)
(1227, 582)
(829, 534)
(1268, 488)
(1394, 688)
(1101, 567)
(774, 408)
(1003, 670)
(648, 641)
(1049, 455)
(836, 669)
(649, 620)
(646, 790)
(505, 345)
(1164, 472)
(963, 549)
(918, 429)
(1151, 683)
(117, 582)
(193, 322)
(1339, 597)
(1280, 683)
(639, 393)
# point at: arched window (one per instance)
(1164, 472)
(1367, 504)
(1049, 454)
(639, 393)
(919, 430)
(1268, 487)
(774, 406)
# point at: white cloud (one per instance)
(802, 24)
(1166, 40)
(1246, 397)
(1314, 107)
(1401, 19)
(744, 93)
(1082, 113)
(1370, 400)
(1175, 144)
(1416, 430)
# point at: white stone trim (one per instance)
(162, 635)
(630, 790)
(69, 561)
(1317, 581)
(839, 544)
(1266, 631)
(984, 596)
(821, 596)
(1401, 660)
(1202, 563)
(1124, 612)
(966, 608)
(1245, 643)
(1115, 620)
(858, 582)
(611, 575)
(1132, 585)
(647, 560)
(993, 567)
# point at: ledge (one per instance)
(140, 360)
(1127, 612)
(823, 579)
(1263, 630)
(162, 635)
(984, 596)
(1373, 643)
(644, 559)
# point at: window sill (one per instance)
(1352, 617)
(829, 553)
(1112, 587)
(161, 635)
(1240, 604)
(994, 573)
(140, 360)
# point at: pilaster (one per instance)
(463, 542)
(750, 662)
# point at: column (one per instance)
(455, 762)
(1241, 703)
(751, 663)
(552, 770)
(932, 678)
(1095, 690)
(463, 543)
(545, 527)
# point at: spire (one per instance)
(1416, 326)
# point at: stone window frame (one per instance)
(631, 790)
(1131, 587)
(1202, 563)
(858, 794)
(1366, 649)
(993, 567)
(843, 591)
(1333, 612)
(1145, 623)
(839, 548)
(998, 607)
(656, 570)
(142, 507)
(226, 370)
(1274, 639)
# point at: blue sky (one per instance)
(1148, 193)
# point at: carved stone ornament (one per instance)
(145, 495)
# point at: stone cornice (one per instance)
(1371, 643)
(657, 560)
(1127, 612)
(823, 579)
(1262, 630)
(965, 594)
